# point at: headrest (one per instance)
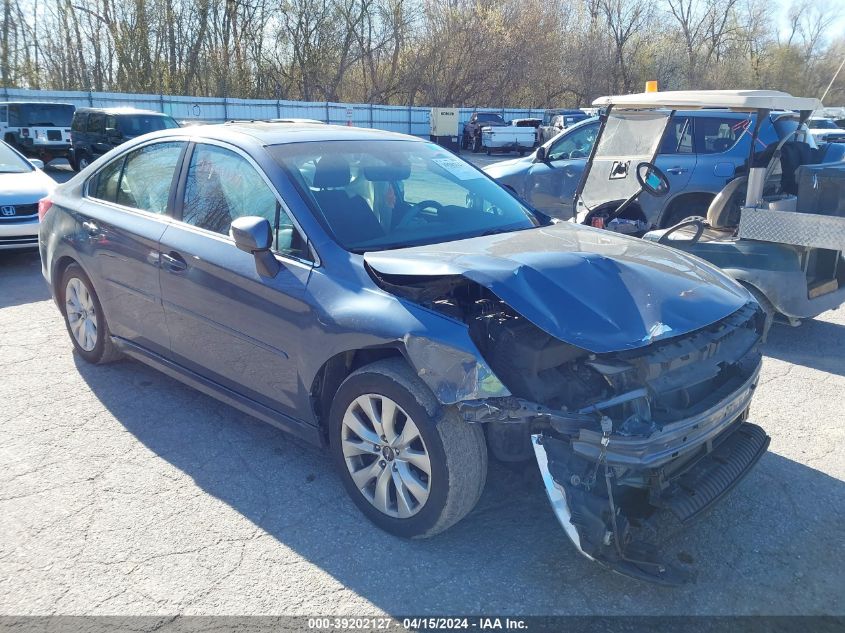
(719, 211)
(330, 172)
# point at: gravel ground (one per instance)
(124, 492)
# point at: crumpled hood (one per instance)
(595, 289)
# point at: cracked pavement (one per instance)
(123, 492)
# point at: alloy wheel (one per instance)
(386, 456)
(81, 314)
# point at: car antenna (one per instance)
(830, 85)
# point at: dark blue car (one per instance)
(375, 294)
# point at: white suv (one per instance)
(37, 129)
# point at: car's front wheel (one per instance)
(84, 317)
(413, 468)
(82, 161)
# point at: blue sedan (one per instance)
(375, 294)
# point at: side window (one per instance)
(575, 144)
(3, 115)
(95, 122)
(678, 139)
(715, 135)
(148, 176)
(111, 123)
(104, 185)
(221, 185)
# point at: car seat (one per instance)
(721, 220)
(350, 217)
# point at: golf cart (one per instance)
(778, 225)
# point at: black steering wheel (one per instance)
(652, 179)
(415, 210)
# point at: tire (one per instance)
(76, 294)
(81, 161)
(489, 152)
(456, 452)
(476, 144)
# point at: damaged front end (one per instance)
(617, 435)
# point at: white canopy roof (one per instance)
(695, 99)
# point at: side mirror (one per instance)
(540, 155)
(254, 235)
(36, 163)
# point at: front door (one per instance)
(551, 184)
(227, 323)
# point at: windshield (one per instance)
(628, 139)
(138, 124)
(11, 162)
(823, 124)
(375, 195)
(41, 114)
(490, 117)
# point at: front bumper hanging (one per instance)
(596, 523)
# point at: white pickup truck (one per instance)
(520, 136)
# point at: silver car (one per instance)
(22, 185)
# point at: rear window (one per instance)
(138, 124)
(489, 116)
(79, 121)
(41, 115)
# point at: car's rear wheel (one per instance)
(84, 317)
(410, 473)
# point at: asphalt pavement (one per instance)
(124, 492)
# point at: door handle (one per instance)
(174, 262)
(677, 171)
(91, 228)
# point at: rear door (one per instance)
(550, 185)
(716, 140)
(227, 323)
(124, 214)
(677, 156)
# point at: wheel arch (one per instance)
(57, 271)
(336, 369)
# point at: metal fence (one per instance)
(405, 119)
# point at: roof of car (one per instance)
(693, 99)
(276, 133)
(121, 110)
(2, 103)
